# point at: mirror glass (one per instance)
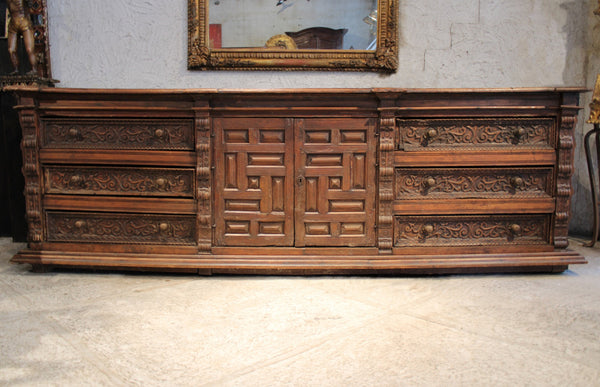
(293, 35)
(293, 24)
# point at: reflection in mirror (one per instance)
(292, 35)
(311, 24)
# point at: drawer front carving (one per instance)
(486, 133)
(120, 181)
(480, 230)
(120, 228)
(458, 183)
(161, 134)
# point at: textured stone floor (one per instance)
(115, 329)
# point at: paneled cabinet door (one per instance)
(335, 182)
(254, 181)
(295, 182)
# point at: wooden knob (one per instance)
(519, 133)
(73, 132)
(76, 179)
(429, 182)
(161, 182)
(427, 229)
(159, 133)
(431, 133)
(163, 226)
(515, 228)
(516, 181)
(80, 224)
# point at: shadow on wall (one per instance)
(577, 37)
(582, 62)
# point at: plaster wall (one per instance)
(450, 43)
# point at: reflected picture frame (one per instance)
(384, 58)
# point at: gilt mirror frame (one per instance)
(383, 59)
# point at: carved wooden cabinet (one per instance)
(299, 181)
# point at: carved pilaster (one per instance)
(31, 171)
(386, 181)
(566, 143)
(203, 184)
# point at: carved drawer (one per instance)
(119, 181)
(120, 228)
(151, 134)
(479, 230)
(475, 133)
(460, 183)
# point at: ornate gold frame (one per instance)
(383, 59)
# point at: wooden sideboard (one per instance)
(303, 181)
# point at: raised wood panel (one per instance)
(335, 182)
(254, 178)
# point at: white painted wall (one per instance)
(443, 43)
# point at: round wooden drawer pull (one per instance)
(80, 224)
(159, 133)
(516, 182)
(427, 229)
(76, 180)
(431, 133)
(163, 227)
(74, 133)
(519, 134)
(161, 182)
(429, 182)
(515, 229)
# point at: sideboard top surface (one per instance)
(412, 100)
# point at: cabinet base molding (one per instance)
(546, 262)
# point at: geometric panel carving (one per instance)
(437, 134)
(335, 166)
(480, 230)
(254, 172)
